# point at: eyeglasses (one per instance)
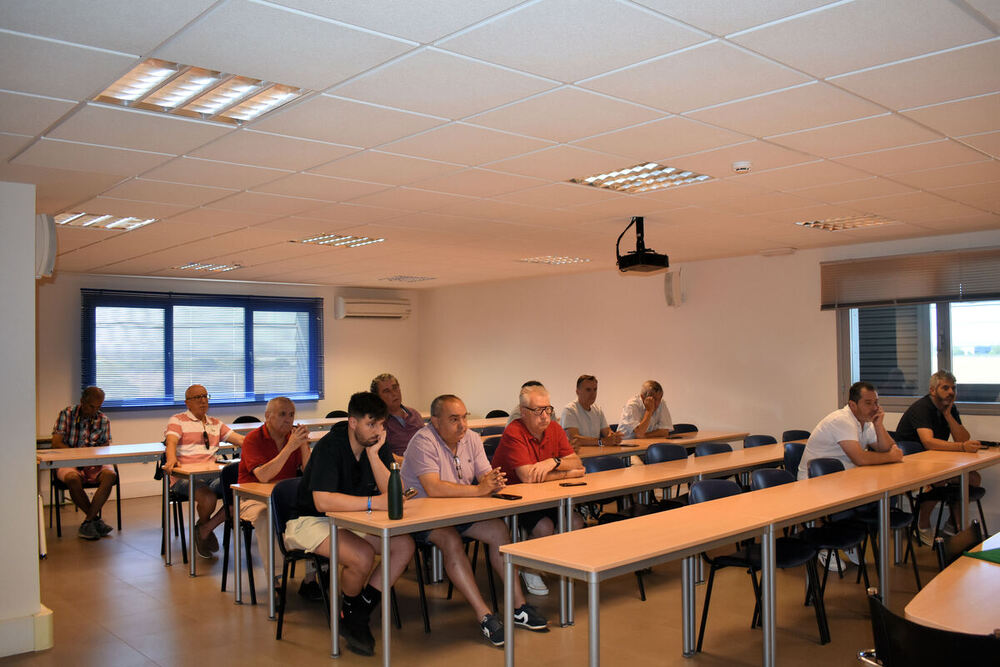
(198, 397)
(458, 467)
(546, 410)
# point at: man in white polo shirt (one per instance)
(646, 414)
(194, 437)
(854, 434)
(584, 421)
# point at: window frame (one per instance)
(91, 299)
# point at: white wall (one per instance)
(19, 596)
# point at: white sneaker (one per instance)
(852, 555)
(534, 583)
(824, 555)
(926, 536)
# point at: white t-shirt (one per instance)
(825, 440)
(632, 414)
(589, 423)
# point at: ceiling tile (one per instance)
(722, 17)
(263, 149)
(465, 144)
(139, 130)
(790, 216)
(301, 228)
(384, 168)
(270, 43)
(988, 142)
(212, 173)
(764, 203)
(863, 34)
(69, 239)
(55, 189)
(698, 77)
(559, 195)
(930, 79)
(142, 189)
(912, 158)
(569, 40)
(258, 202)
(489, 209)
(409, 199)
(719, 162)
(352, 213)
(894, 204)
(425, 82)
(706, 192)
(968, 116)
(29, 114)
(662, 139)
(216, 219)
(859, 136)
(946, 177)
(863, 189)
(130, 207)
(12, 143)
(344, 122)
(800, 176)
(477, 183)
(560, 163)
(564, 115)
(320, 187)
(85, 157)
(810, 105)
(975, 223)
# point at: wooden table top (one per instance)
(319, 422)
(72, 456)
(255, 490)
(190, 469)
(635, 446)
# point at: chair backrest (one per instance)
(711, 489)
(613, 427)
(666, 451)
(758, 440)
(684, 428)
(794, 434)
(228, 476)
(793, 456)
(948, 549)
(491, 430)
(768, 477)
(246, 419)
(903, 643)
(910, 447)
(490, 445)
(708, 448)
(599, 463)
(493, 414)
(332, 414)
(824, 466)
(284, 499)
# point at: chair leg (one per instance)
(395, 609)
(704, 611)
(281, 598)
(913, 560)
(491, 579)
(419, 559)
(982, 519)
(246, 550)
(818, 604)
(756, 619)
(59, 503)
(642, 587)
(863, 565)
(179, 527)
(324, 585)
(227, 531)
(118, 497)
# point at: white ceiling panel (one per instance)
(44, 67)
(163, 192)
(560, 163)
(711, 74)
(55, 189)
(352, 213)
(300, 228)
(214, 174)
(569, 40)
(895, 204)
(129, 207)
(320, 187)
(931, 79)
(988, 142)
(408, 199)
(704, 194)
(860, 136)
(863, 34)
(344, 122)
(564, 115)
(12, 143)
(864, 189)
(86, 157)
(765, 203)
(266, 42)
(69, 239)
(980, 221)
(721, 17)
(385, 168)
(425, 82)
(216, 220)
(953, 176)
(560, 195)
(968, 116)
(29, 114)
(465, 144)
(662, 139)
(718, 163)
(490, 209)
(259, 202)
(912, 158)
(271, 150)
(139, 130)
(477, 183)
(801, 176)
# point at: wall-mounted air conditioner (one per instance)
(386, 309)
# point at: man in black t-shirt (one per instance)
(349, 471)
(931, 421)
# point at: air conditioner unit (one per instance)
(385, 309)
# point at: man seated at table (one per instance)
(584, 421)
(349, 472)
(532, 449)
(931, 420)
(515, 412)
(646, 414)
(193, 437)
(263, 459)
(84, 425)
(402, 421)
(855, 434)
(446, 459)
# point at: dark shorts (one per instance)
(421, 537)
(180, 487)
(527, 521)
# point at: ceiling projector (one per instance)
(641, 260)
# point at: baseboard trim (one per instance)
(24, 634)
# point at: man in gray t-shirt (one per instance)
(584, 421)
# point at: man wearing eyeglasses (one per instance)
(646, 414)
(194, 437)
(532, 449)
(446, 459)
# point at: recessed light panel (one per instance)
(643, 177)
(215, 268)
(407, 279)
(97, 221)
(549, 259)
(196, 92)
(842, 224)
(341, 241)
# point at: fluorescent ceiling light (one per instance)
(643, 177)
(407, 279)
(196, 92)
(96, 221)
(549, 259)
(341, 241)
(202, 266)
(842, 224)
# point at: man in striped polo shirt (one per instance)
(194, 437)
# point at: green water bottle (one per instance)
(395, 492)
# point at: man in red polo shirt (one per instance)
(263, 459)
(534, 448)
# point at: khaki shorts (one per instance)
(250, 509)
(307, 533)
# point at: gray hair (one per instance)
(382, 378)
(650, 387)
(528, 391)
(937, 378)
(274, 402)
(438, 403)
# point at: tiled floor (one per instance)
(116, 604)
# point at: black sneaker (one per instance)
(358, 637)
(311, 591)
(528, 617)
(492, 629)
(103, 529)
(88, 531)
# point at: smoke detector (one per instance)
(742, 167)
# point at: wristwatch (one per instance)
(558, 462)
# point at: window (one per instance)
(145, 348)
(897, 348)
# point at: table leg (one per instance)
(386, 603)
(594, 618)
(166, 517)
(237, 550)
(508, 608)
(687, 606)
(563, 616)
(270, 561)
(334, 593)
(192, 552)
(767, 569)
(964, 501)
(569, 582)
(883, 540)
